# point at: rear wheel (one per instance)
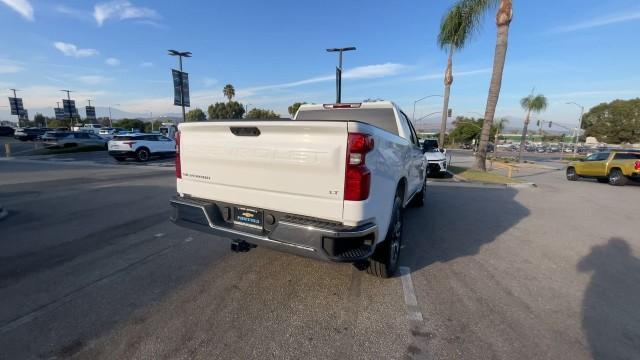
(384, 261)
(143, 155)
(617, 178)
(571, 174)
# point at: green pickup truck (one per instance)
(613, 167)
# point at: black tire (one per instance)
(571, 174)
(418, 199)
(120, 158)
(143, 154)
(617, 178)
(384, 261)
(603, 180)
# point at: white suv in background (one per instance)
(141, 146)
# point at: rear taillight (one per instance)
(637, 165)
(178, 165)
(357, 182)
(130, 143)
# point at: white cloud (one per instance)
(72, 50)
(455, 74)
(112, 61)
(209, 82)
(146, 64)
(10, 66)
(374, 71)
(360, 72)
(23, 7)
(74, 13)
(93, 79)
(121, 10)
(600, 21)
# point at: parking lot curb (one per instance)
(3, 212)
(458, 178)
(522, 185)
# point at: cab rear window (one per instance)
(382, 118)
(627, 156)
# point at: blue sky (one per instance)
(114, 52)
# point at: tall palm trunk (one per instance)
(523, 139)
(448, 80)
(503, 19)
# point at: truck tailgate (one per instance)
(295, 167)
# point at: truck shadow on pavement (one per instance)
(611, 304)
(456, 222)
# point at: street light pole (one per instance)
(339, 70)
(575, 149)
(110, 121)
(246, 109)
(180, 55)
(415, 102)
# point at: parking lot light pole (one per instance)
(339, 70)
(110, 121)
(180, 55)
(575, 149)
(415, 102)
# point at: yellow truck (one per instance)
(613, 167)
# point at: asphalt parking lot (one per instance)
(90, 267)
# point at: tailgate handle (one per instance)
(245, 130)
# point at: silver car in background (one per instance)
(69, 139)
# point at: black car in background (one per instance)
(25, 134)
(6, 131)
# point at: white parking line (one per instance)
(413, 312)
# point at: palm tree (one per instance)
(229, 92)
(500, 125)
(455, 29)
(475, 11)
(531, 104)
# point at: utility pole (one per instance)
(110, 121)
(180, 55)
(339, 70)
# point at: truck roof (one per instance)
(364, 105)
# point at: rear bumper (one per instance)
(121, 153)
(289, 233)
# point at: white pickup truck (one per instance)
(330, 184)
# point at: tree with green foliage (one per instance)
(468, 129)
(152, 126)
(228, 110)
(257, 113)
(196, 115)
(475, 11)
(293, 109)
(39, 120)
(617, 122)
(129, 124)
(531, 103)
(455, 29)
(229, 91)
